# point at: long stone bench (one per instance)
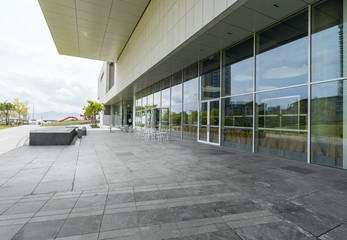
(59, 135)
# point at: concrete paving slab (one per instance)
(114, 186)
(12, 138)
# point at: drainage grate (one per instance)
(298, 169)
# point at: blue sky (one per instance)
(31, 68)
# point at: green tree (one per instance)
(21, 108)
(7, 109)
(93, 109)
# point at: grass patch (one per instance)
(5, 127)
(66, 123)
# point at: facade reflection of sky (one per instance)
(283, 66)
(326, 55)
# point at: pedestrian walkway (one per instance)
(11, 138)
(114, 186)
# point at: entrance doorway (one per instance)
(209, 122)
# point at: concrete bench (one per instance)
(60, 135)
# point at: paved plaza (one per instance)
(11, 138)
(115, 186)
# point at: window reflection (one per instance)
(176, 94)
(238, 68)
(214, 121)
(237, 122)
(150, 100)
(282, 123)
(203, 121)
(165, 97)
(328, 115)
(165, 120)
(176, 120)
(328, 37)
(190, 121)
(190, 77)
(282, 54)
(209, 70)
(157, 99)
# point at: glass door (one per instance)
(209, 122)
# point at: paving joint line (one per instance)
(18, 171)
(103, 213)
(68, 215)
(74, 176)
(330, 230)
(34, 215)
(12, 204)
(102, 169)
(32, 193)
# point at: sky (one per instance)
(31, 68)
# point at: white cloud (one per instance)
(64, 93)
(285, 72)
(31, 68)
(242, 77)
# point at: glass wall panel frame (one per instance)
(271, 120)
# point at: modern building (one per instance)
(257, 75)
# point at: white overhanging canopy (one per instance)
(94, 29)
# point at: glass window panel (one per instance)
(176, 120)
(190, 121)
(157, 99)
(143, 118)
(165, 83)
(138, 119)
(144, 101)
(165, 97)
(148, 113)
(146, 92)
(214, 121)
(203, 121)
(156, 87)
(191, 87)
(190, 72)
(176, 94)
(238, 64)
(328, 124)
(328, 38)
(282, 123)
(165, 119)
(210, 83)
(237, 122)
(282, 54)
(150, 100)
(191, 90)
(176, 78)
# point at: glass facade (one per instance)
(282, 123)
(328, 123)
(328, 37)
(209, 77)
(190, 121)
(282, 54)
(237, 122)
(261, 95)
(238, 65)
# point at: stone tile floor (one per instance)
(114, 186)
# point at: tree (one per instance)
(7, 109)
(21, 108)
(93, 109)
